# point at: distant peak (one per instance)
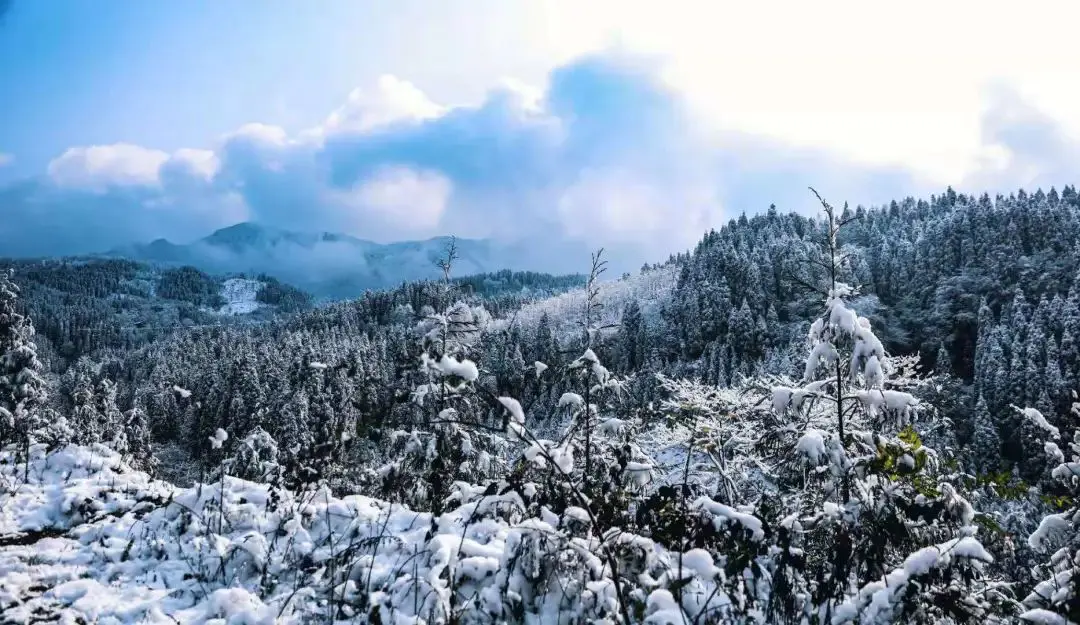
(242, 228)
(244, 234)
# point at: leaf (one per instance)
(911, 437)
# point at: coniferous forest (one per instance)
(865, 416)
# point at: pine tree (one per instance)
(742, 334)
(1019, 315)
(1052, 377)
(942, 361)
(22, 388)
(985, 442)
(139, 438)
(111, 424)
(998, 374)
(632, 343)
(1034, 357)
(1070, 336)
(545, 349)
(869, 449)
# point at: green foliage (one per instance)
(285, 297)
(520, 282)
(1005, 485)
(1058, 502)
(188, 284)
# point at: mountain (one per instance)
(83, 306)
(329, 265)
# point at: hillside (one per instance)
(82, 306)
(335, 266)
(795, 422)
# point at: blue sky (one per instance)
(622, 123)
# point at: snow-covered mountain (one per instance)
(332, 265)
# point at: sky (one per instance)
(624, 123)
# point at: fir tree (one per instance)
(985, 443)
(22, 388)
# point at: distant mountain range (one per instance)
(335, 266)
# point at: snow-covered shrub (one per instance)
(255, 458)
(1056, 598)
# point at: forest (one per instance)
(868, 415)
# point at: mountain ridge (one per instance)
(330, 265)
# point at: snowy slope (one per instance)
(566, 310)
(239, 294)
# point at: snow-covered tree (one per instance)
(1056, 599)
(22, 387)
(985, 445)
(882, 510)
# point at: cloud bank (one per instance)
(607, 153)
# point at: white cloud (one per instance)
(608, 152)
(613, 206)
(899, 84)
(6, 159)
(101, 166)
(402, 197)
(391, 101)
(202, 163)
(260, 133)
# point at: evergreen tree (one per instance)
(985, 442)
(1056, 598)
(632, 337)
(22, 387)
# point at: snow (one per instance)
(640, 472)
(1066, 470)
(1053, 451)
(1052, 529)
(540, 368)
(542, 451)
(448, 366)
(724, 515)
(651, 290)
(219, 437)
(571, 399)
(781, 399)
(1038, 419)
(1043, 617)
(872, 372)
(240, 296)
(896, 402)
(877, 601)
(812, 444)
(513, 406)
(464, 369)
(612, 426)
(182, 392)
(701, 563)
(114, 546)
(823, 354)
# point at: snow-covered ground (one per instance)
(87, 539)
(239, 294)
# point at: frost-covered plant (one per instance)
(863, 490)
(1056, 599)
(22, 388)
(255, 458)
(139, 451)
(449, 436)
